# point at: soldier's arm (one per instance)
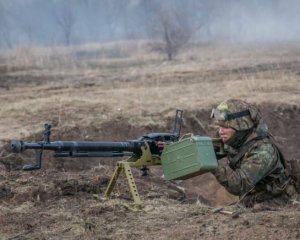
(255, 165)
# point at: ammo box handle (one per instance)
(187, 135)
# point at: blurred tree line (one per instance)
(169, 24)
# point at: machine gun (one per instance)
(142, 152)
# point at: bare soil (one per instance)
(65, 199)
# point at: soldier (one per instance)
(256, 169)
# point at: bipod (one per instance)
(146, 159)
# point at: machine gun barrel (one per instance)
(18, 146)
(91, 154)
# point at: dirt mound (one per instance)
(49, 204)
(283, 122)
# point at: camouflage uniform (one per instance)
(255, 170)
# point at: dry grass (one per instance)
(61, 85)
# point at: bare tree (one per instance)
(65, 18)
(171, 30)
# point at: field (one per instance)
(121, 91)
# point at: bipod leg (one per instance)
(124, 166)
(131, 183)
(113, 180)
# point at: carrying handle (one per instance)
(187, 135)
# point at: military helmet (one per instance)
(236, 114)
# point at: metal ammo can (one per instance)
(188, 158)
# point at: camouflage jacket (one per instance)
(256, 170)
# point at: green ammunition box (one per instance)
(188, 158)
